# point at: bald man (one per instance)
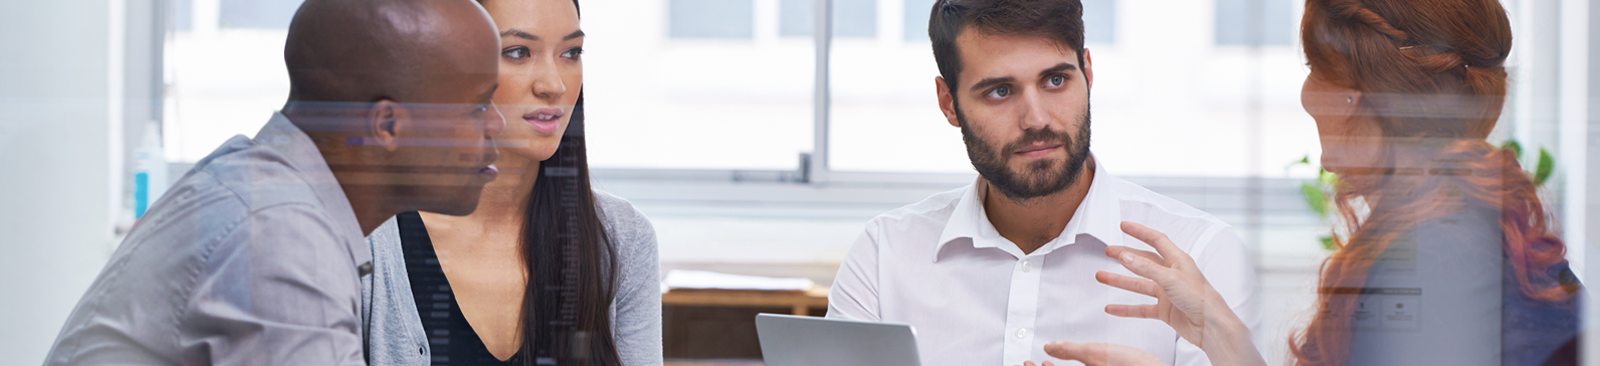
(257, 255)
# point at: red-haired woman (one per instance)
(1448, 258)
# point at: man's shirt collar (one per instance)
(1098, 216)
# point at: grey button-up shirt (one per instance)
(251, 258)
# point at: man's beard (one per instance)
(1042, 178)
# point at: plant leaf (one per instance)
(1514, 146)
(1303, 161)
(1327, 242)
(1547, 165)
(1315, 198)
(1327, 178)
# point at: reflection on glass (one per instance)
(1446, 256)
(1427, 242)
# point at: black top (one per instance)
(451, 337)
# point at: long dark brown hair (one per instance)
(1431, 74)
(572, 263)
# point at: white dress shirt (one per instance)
(975, 299)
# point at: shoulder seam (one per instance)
(205, 257)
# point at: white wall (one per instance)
(1585, 175)
(57, 145)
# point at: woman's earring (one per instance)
(1349, 99)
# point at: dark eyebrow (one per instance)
(1059, 68)
(529, 36)
(986, 83)
(519, 34)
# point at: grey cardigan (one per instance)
(393, 329)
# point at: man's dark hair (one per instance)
(1058, 20)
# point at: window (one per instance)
(225, 73)
(662, 100)
(916, 19)
(1236, 22)
(851, 19)
(266, 14)
(884, 114)
(732, 19)
(669, 101)
(885, 117)
(1099, 21)
(182, 15)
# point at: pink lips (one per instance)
(544, 120)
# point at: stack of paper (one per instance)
(707, 280)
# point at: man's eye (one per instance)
(515, 53)
(1000, 92)
(1056, 80)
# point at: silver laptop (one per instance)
(788, 340)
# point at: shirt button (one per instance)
(1027, 265)
(1022, 333)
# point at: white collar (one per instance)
(1098, 216)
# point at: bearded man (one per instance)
(990, 273)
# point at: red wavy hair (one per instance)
(1431, 75)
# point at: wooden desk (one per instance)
(717, 327)
(799, 302)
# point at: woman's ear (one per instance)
(1360, 117)
(1352, 102)
(1357, 120)
(1322, 99)
(947, 101)
(386, 122)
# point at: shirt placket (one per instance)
(1022, 309)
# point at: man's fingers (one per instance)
(1115, 251)
(1098, 354)
(1090, 354)
(1133, 311)
(1144, 267)
(1132, 284)
(1155, 239)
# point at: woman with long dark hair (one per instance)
(547, 271)
(1447, 256)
